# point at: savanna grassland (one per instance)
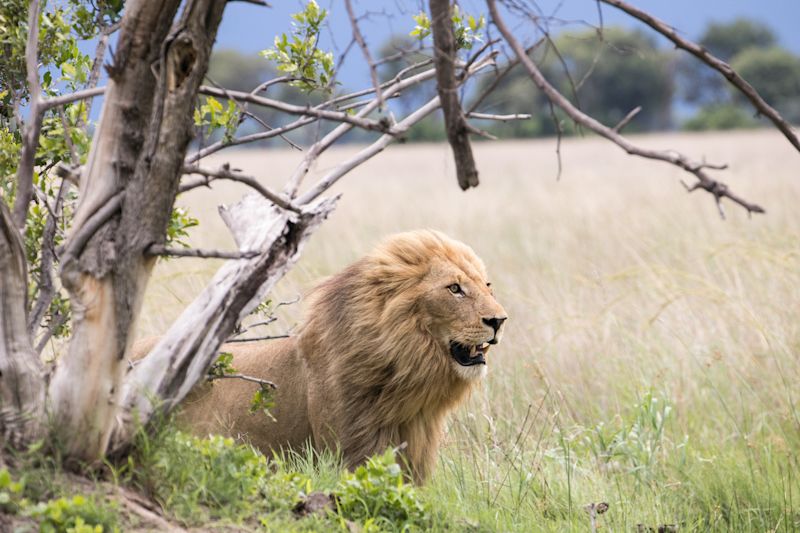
(652, 357)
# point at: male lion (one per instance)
(390, 345)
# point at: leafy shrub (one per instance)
(377, 495)
(78, 514)
(636, 443)
(186, 473)
(10, 492)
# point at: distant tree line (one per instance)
(606, 73)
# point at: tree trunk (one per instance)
(21, 372)
(127, 192)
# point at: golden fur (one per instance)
(371, 366)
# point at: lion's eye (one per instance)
(455, 288)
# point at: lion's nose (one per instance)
(495, 322)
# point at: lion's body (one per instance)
(370, 367)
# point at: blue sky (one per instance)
(251, 28)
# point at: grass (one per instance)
(651, 359)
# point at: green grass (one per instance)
(651, 356)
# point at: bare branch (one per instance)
(63, 99)
(46, 287)
(627, 118)
(444, 53)
(705, 182)
(263, 382)
(164, 251)
(97, 64)
(246, 113)
(323, 144)
(30, 140)
(501, 118)
(305, 111)
(225, 173)
(260, 3)
(717, 64)
(373, 71)
(375, 148)
(264, 338)
(253, 137)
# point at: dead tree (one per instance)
(91, 400)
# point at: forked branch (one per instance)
(717, 189)
(714, 62)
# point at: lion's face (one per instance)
(463, 315)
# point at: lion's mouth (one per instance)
(466, 355)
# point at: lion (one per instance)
(389, 347)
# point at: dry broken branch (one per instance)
(444, 53)
(717, 64)
(717, 189)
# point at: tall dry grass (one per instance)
(651, 358)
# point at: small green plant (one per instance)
(377, 495)
(197, 479)
(635, 444)
(77, 514)
(299, 55)
(10, 492)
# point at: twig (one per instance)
(260, 3)
(337, 116)
(225, 173)
(274, 81)
(287, 302)
(501, 118)
(263, 382)
(264, 338)
(253, 137)
(303, 121)
(717, 64)
(375, 148)
(499, 77)
(161, 250)
(243, 109)
(45, 282)
(30, 139)
(323, 144)
(705, 182)
(444, 53)
(241, 331)
(627, 118)
(373, 71)
(99, 55)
